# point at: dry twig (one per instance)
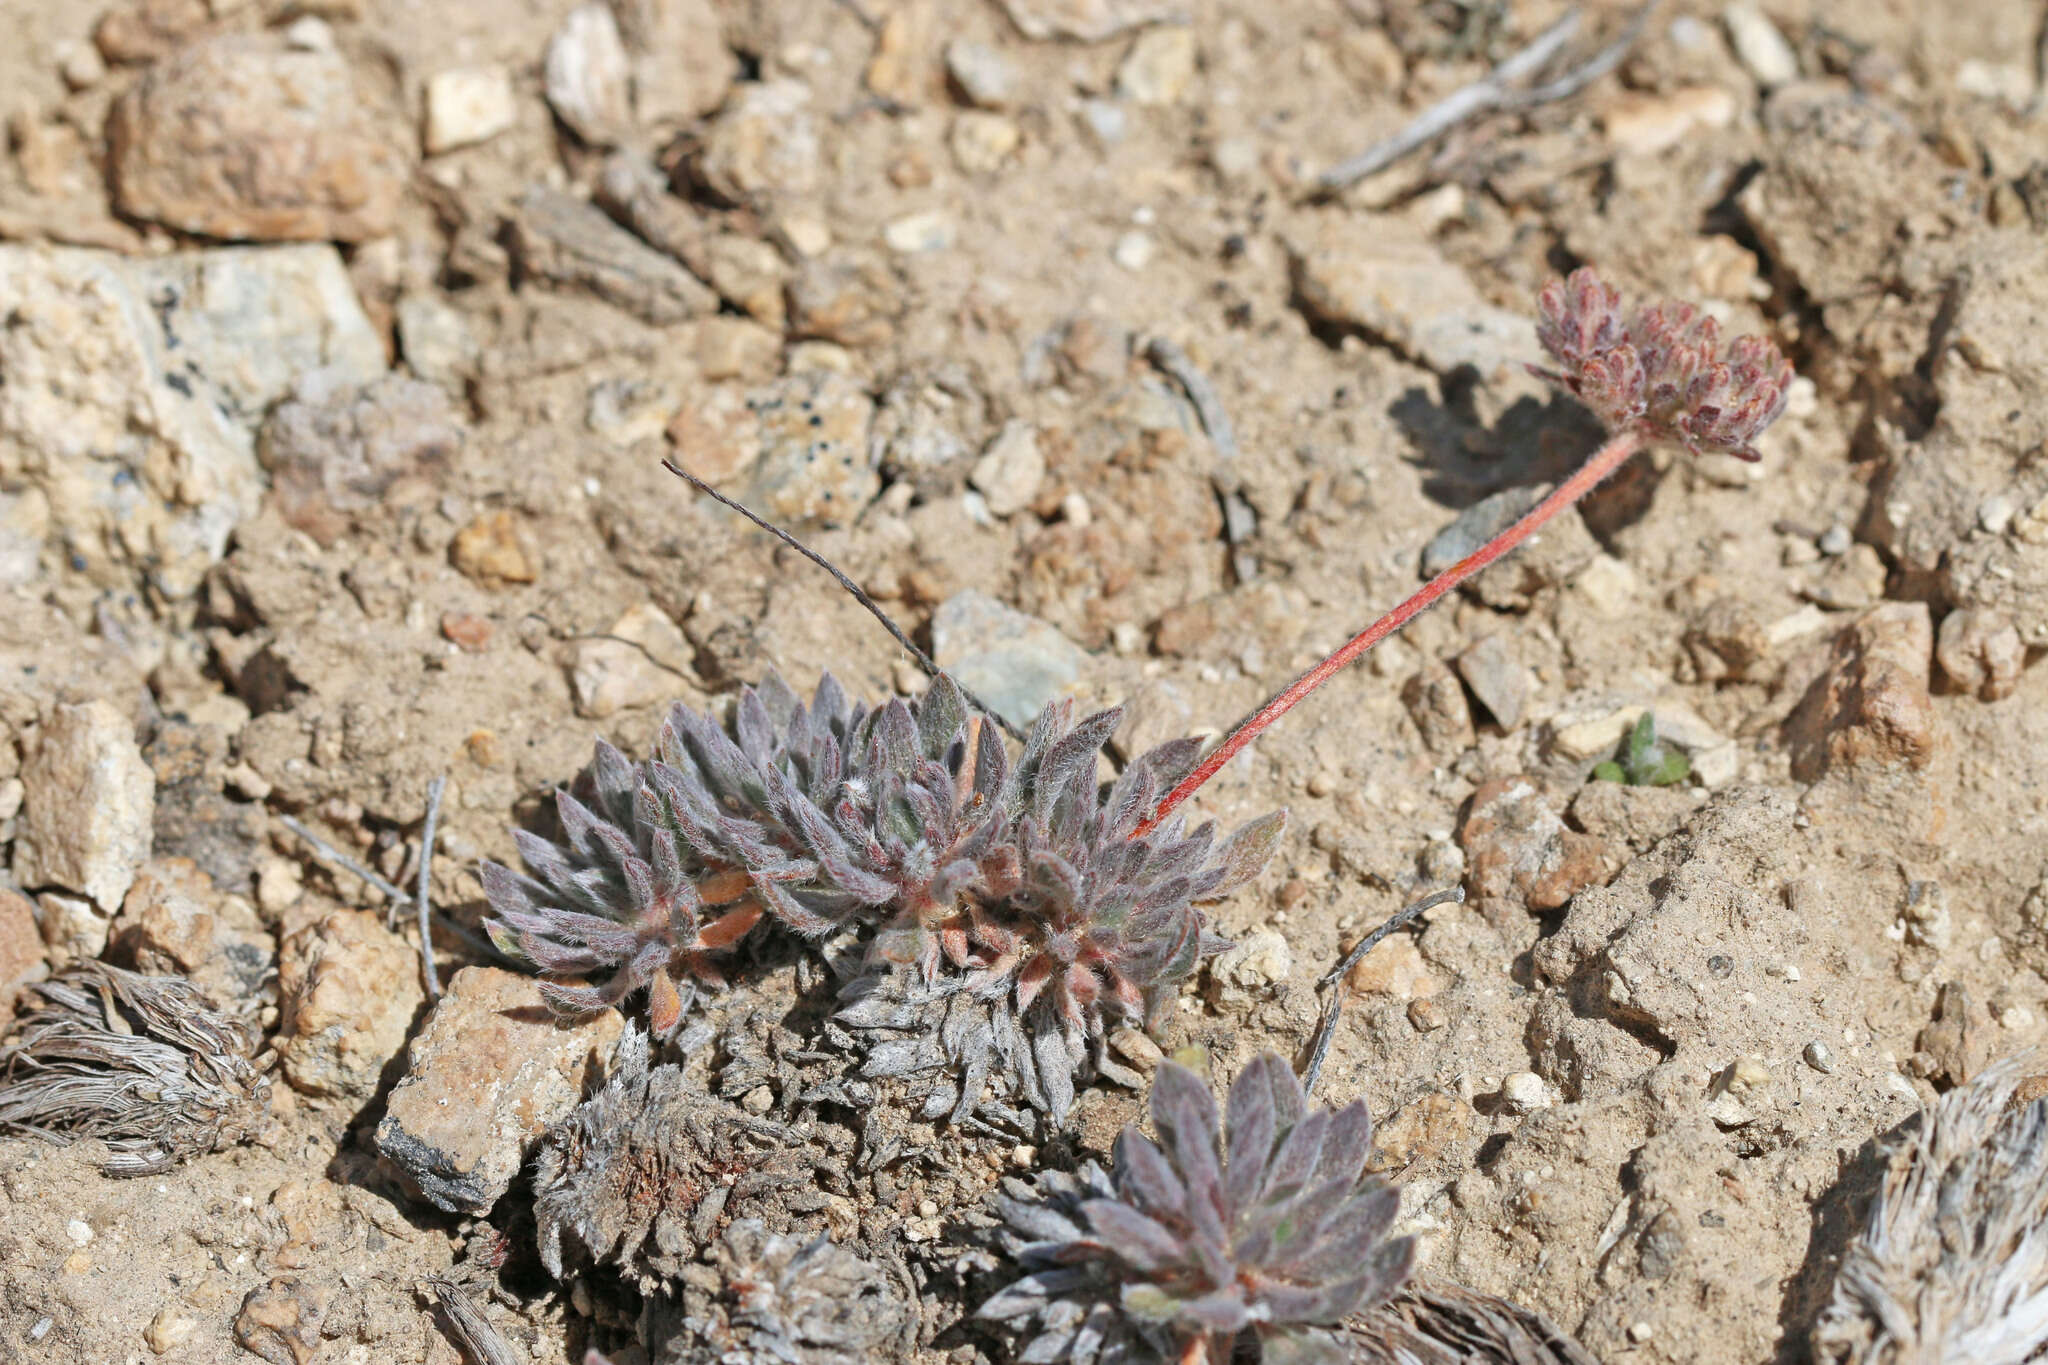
(1501, 91)
(1333, 980)
(429, 976)
(336, 858)
(472, 1331)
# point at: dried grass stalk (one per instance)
(146, 1064)
(1952, 1263)
(1446, 1324)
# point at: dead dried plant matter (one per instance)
(642, 1175)
(1952, 1262)
(1260, 1233)
(1021, 882)
(146, 1064)
(770, 1298)
(1446, 1324)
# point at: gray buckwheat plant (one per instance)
(1206, 1241)
(1012, 907)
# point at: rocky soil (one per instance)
(343, 341)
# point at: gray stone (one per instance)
(135, 386)
(489, 1071)
(435, 340)
(1497, 679)
(1015, 663)
(682, 66)
(1401, 291)
(1476, 525)
(764, 143)
(570, 243)
(984, 74)
(587, 78)
(1089, 21)
(1011, 470)
(814, 466)
(335, 447)
(89, 805)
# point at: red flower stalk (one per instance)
(1660, 376)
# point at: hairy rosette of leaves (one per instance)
(1203, 1242)
(1020, 883)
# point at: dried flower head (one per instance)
(1952, 1262)
(1205, 1241)
(1022, 883)
(145, 1063)
(1662, 372)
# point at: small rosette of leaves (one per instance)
(1056, 915)
(1664, 371)
(1205, 1242)
(1642, 761)
(623, 897)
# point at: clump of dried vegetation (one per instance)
(1952, 1261)
(145, 1064)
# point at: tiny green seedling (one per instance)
(1642, 761)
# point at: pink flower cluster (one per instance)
(1664, 371)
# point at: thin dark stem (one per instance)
(874, 608)
(1605, 461)
(1333, 980)
(424, 905)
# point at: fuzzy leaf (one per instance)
(1263, 1097)
(1245, 853)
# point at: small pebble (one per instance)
(1426, 1015)
(1818, 1056)
(1524, 1093)
(1760, 46)
(168, 1330)
(1836, 540)
(1134, 251)
(919, 232)
(1106, 121)
(1747, 1075)
(758, 1101)
(79, 1231)
(466, 106)
(983, 73)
